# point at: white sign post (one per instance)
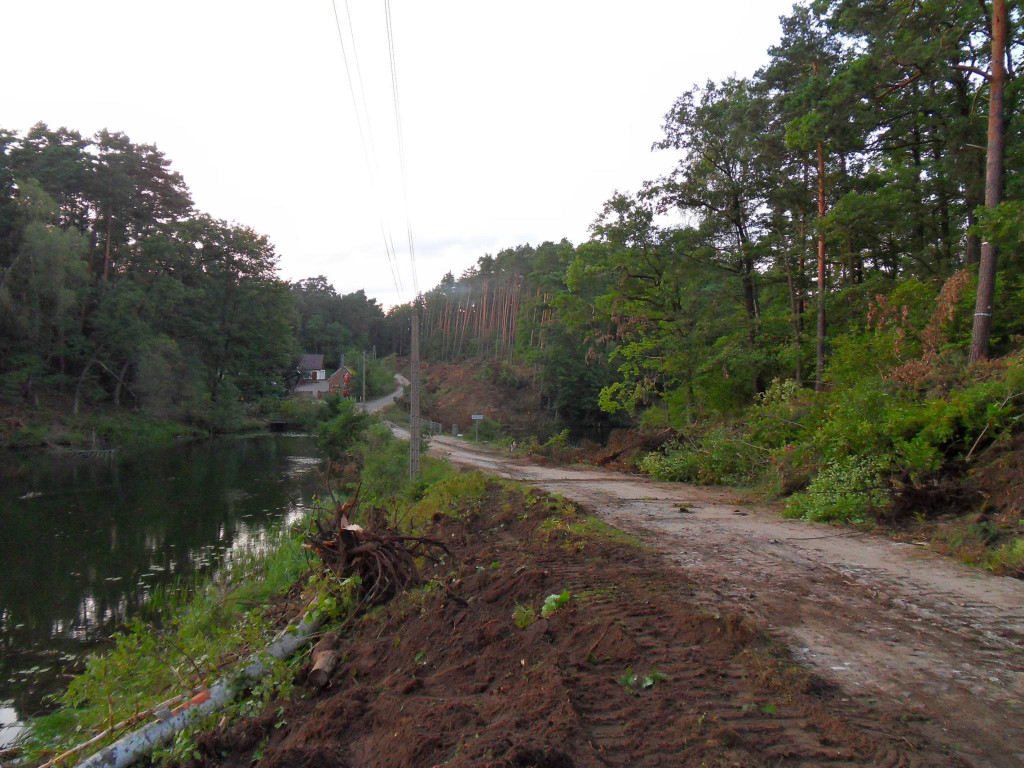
(477, 418)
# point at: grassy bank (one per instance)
(26, 430)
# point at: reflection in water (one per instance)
(82, 544)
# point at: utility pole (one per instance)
(414, 394)
(364, 376)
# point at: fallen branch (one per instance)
(130, 748)
(126, 723)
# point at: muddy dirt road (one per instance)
(887, 622)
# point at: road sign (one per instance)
(477, 417)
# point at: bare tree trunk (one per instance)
(993, 184)
(820, 365)
(120, 383)
(78, 386)
(106, 256)
(798, 373)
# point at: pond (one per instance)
(83, 542)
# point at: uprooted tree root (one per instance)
(383, 559)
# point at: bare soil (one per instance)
(883, 621)
(500, 392)
(443, 675)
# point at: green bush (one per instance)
(1008, 559)
(225, 414)
(777, 418)
(848, 490)
(717, 456)
(303, 412)
(675, 465)
(504, 375)
(347, 427)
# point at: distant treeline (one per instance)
(114, 289)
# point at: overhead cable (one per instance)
(401, 144)
(388, 248)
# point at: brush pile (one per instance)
(384, 560)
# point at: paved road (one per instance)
(889, 622)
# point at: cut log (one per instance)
(324, 663)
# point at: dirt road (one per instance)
(372, 406)
(922, 635)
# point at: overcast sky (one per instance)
(520, 119)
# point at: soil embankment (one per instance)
(636, 668)
(883, 620)
(503, 394)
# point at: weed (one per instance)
(523, 616)
(632, 681)
(1008, 559)
(553, 602)
(579, 529)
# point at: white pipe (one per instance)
(135, 745)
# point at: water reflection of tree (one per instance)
(87, 553)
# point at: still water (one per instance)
(83, 542)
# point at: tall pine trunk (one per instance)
(993, 184)
(820, 364)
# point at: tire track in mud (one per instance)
(934, 641)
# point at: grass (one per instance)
(578, 528)
(454, 494)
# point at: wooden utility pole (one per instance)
(414, 394)
(982, 331)
(364, 377)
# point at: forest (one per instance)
(796, 294)
(821, 292)
(116, 293)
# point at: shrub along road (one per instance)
(929, 638)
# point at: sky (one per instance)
(519, 119)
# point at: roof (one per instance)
(311, 363)
(312, 387)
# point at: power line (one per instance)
(388, 249)
(414, 351)
(401, 144)
(386, 222)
